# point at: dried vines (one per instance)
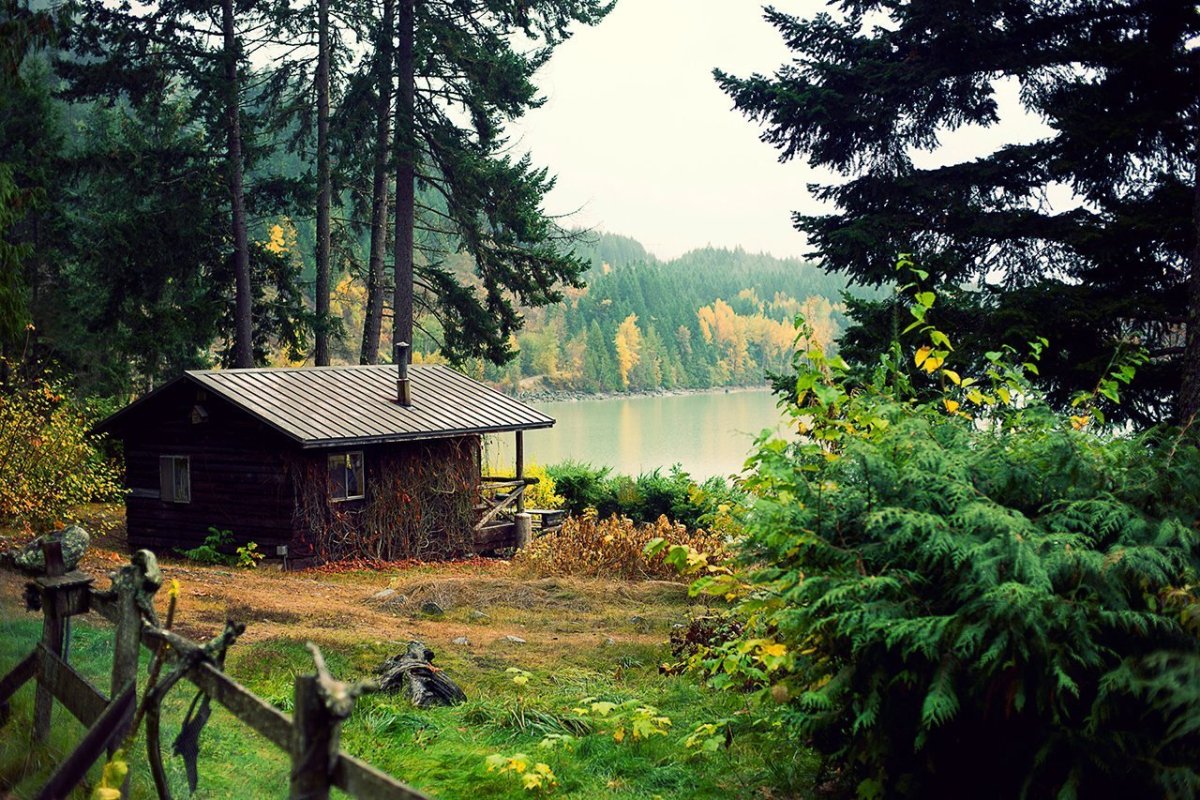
(421, 503)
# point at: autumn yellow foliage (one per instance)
(49, 461)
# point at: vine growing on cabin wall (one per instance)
(421, 503)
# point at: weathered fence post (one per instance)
(53, 636)
(134, 587)
(317, 738)
(322, 704)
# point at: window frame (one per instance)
(169, 474)
(348, 471)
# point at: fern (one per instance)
(998, 611)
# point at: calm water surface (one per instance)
(709, 434)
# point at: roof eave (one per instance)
(323, 444)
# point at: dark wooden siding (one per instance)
(238, 479)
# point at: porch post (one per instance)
(521, 471)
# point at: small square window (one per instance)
(175, 479)
(346, 476)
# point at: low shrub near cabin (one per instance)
(49, 462)
(976, 596)
(610, 548)
(675, 494)
(542, 494)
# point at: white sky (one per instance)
(644, 143)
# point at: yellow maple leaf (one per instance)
(619, 735)
(777, 650)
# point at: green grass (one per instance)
(440, 751)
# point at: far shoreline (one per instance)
(569, 395)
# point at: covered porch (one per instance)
(504, 518)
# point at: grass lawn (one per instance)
(583, 639)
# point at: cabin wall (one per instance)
(237, 474)
(421, 502)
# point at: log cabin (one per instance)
(323, 463)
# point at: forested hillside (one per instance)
(709, 318)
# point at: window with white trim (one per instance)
(175, 479)
(347, 477)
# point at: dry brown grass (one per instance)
(610, 548)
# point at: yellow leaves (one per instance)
(541, 778)
(274, 243)
(628, 342)
(777, 650)
(1079, 422)
(951, 405)
(533, 776)
(519, 676)
(929, 359)
(952, 376)
(111, 778)
(619, 735)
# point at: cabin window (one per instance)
(175, 479)
(346, 476)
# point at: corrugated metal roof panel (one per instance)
(356, 405)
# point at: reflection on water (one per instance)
(709, 434)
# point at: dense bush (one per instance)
(610, 548)
(49, 461)
(651, 495)
(976, 596)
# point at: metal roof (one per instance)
(323, 406)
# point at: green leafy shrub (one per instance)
(675, 495)
(49, 460)
(214, 550)
(974, 596)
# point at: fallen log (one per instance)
(413, 674)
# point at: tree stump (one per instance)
(412, 673)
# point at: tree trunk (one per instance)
(1189, 391)
(373, 324)
(243, 342)
(321, 291)
(405, 146)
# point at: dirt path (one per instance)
(482, 600)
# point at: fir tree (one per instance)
(1117, 84)
(454, 61)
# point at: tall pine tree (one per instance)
(1119, 88)
(462, 61)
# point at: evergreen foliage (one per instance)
(487, 204)
(972, 594)
(873, 84)
(675, 495)
(709, 318)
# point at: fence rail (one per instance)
(309, 736)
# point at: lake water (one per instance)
(709, 434)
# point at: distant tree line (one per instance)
(710, 318)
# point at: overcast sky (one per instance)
(644, 143)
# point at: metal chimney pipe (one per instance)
(401, 354)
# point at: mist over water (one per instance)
(708, 434)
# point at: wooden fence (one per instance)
(310, 736)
